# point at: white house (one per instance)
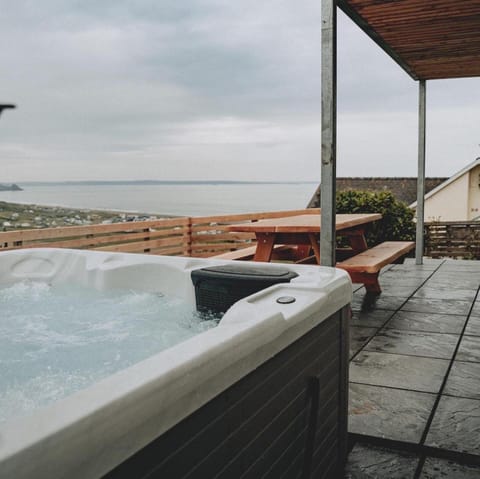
(457, 199)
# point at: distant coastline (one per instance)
(172, 198)
(11, 187)
(161, 182)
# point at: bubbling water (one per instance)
(56, 340)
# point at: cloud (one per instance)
(208, 89)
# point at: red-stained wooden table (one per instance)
(304, 231)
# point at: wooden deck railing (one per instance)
(207, 235)
(452, 239)
(185, 236)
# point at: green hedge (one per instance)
(397, 218)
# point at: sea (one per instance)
(174, 198)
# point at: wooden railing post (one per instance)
(188, 239)
(146, 238)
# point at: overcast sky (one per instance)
(209, 89)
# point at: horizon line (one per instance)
(158, 182)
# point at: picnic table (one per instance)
(304, 230)
(362, 263)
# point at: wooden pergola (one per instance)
(429, 40)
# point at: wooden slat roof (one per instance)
(429, 39)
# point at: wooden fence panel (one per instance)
(210, 235)
(135, 236)
(452, 239)
(200, 236)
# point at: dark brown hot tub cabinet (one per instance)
(285, 419)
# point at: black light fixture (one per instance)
(5, 106)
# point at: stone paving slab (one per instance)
(456, 425)
(435, 468)
(464, 380)
(428, 263)
(402, 280)
(476, 308)
(449, 280)
(406, 275)
(473, 326)
(469, 349)
(438, 306)
(361, 302)
(389, 413)
(370, 319)
(358, 337)
(465, 280)
(446, 293)
(393, 370)
(370, 462)
(414, 343)
(410, 266)
(427, 322)
(397, 290)
(464, 266)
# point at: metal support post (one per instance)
(329, 130)
(422, 96)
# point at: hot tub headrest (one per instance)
(218, 287)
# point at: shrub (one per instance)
(397, 218)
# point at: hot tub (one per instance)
(262, 394)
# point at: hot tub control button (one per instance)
(286, 300)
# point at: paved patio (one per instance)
(415, 374)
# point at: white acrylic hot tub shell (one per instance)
(87, 434)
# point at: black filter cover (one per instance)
(218, 287)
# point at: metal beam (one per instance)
(329, 132)
(422, 100)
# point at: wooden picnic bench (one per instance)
(365, 267)
(295, 238)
